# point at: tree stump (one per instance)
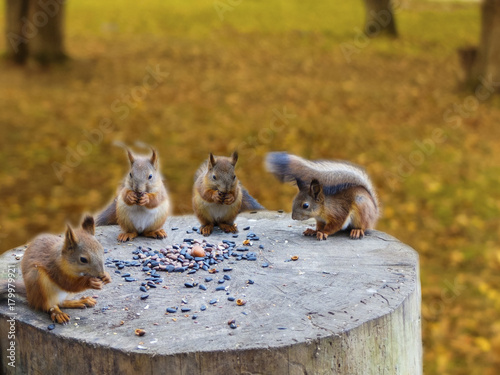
(343, 307)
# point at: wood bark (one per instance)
(380, 18)
(35, 29)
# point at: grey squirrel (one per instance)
(338, 194)
(142, 205)
(218, 196)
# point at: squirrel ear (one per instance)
(234, 158)
(211, 161)
(70, 239)
(88, 225)
(154, 159)
(300, 184)
(315, 190)
(130, 156)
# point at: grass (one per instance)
(226, 81)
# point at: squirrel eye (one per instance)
(234, 177)
(305, 206)
(214, 177)
(84, 260)
(130, 174)
(150, 177)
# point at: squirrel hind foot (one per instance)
(228, 228)
(357, 234)
(58, 316)
(124, 237)
(321, 236)
(207, 230)
(159, 234)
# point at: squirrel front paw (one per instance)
(143, 200)
(106, 278)
(310, 232)
(217, 197)
(228, 228)
(229, 199)
(95, 283)
(130, 198)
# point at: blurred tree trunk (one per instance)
(35, 30)
(379, 18)
(485, 64)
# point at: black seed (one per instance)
(144, 296)
(208, 279)
(191, 272)
(250, 282)
(171, 310)
(231, 299)
(185, 309)
(51, 327)
(220, 288)
(261, 246)
(235, 236)
(184, 301)
(129, 279)
(120, 266)
(202, 287)
(246, 228)
(203, 308)
(242, 249)
(146, 269)
(227, 269)
(212, 302)
(282, 328)
(174, 228)
(233, 325)
(221, 281)
(265, 265)
(143, 289)
(194, 317)
(188, 285)
(125, 274)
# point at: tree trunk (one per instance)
(380, 18)
(35, 30)
(486, 65)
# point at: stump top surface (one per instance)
(334, 286)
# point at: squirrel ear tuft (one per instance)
(70, 239)
(315, 189)
(300, 184)
(211, 161)
(234, 158)
(154, 159)
(88, 224)
(130, 156)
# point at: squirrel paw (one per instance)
(143, 200)
(59, 317)
(95, 283)
(228, 228)
(88, 302)
(321, 235)
(124, 237)
(229, 199)
(207, 230)
(160, 233)
(130, 198)
(310, 232)
(106, 279)
(81, 303)
(218, 198)
(357, 234)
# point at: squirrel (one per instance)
(338, 194)
(218, 196)
(54, 267)
(142, 205)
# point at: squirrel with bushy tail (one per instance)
(338, 194)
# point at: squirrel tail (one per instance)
(249, 203)
(108, 216)
(334, 175)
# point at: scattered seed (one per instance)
(213, 302)
(202, 287)
(231, 298)
(231, 321)
(140, 332)
(265, 265)
(240, 302)
(51, 327)
(250, 281)
(203, 308)
(185, 309)
(233, 325)
(295, 257)
(171, 310)
(144, 296)
(188, 285)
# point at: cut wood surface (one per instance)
(343, 307)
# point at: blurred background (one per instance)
(405, 90)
